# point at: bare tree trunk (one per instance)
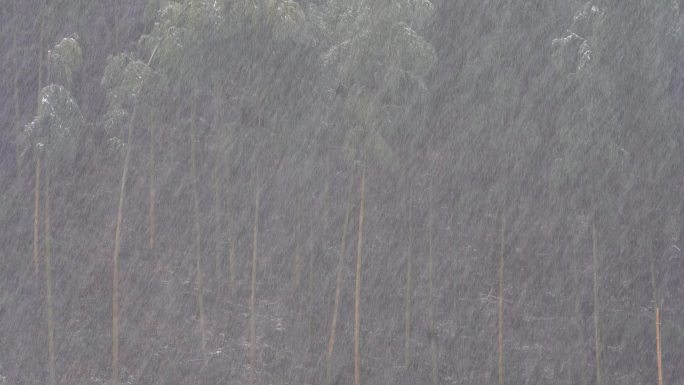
(115, 28)
(115, 259)
(578, 314)
(502, 256)
(17, 69)
(218, 212)
(252, 299)
(41, 38)
(152, 219)
(36, 215)
(658, 346)
(338, 284)
(309, 295)
(431, 299)
(198, 256)
(407, 299)
(357, 289)
(48, 286)
(297, 261)
(597, 331)
(657, 302)
(231, 262)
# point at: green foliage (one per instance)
(126, 80)
(56, 126)
(377, 56)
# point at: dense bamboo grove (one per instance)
(338, 192)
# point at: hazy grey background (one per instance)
(563, 118)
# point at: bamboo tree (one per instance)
(407, 299)
(338, 286)
(357, 288)
(431, 300)
(198, 256)
(252, 298)
(501, 298)
(597, 331)
(48, 286)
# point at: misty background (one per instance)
(341, 192)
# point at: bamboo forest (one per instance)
(341, 192)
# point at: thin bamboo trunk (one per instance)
(36, 215)
(658, 346)
(115, 27)
(597, 331)
(357, 288)
(338, 285)
(231, 265)
(115, 259)
(310, 295)
(229, 231)
(297, 263)
(17, 108)
(152, 219)
(17, 67)
(502, 256)
(218, 218)
(407, 299)
(656, 301)
(17, 70)
(48, 286)
(296, 268)
(41, 37)
(252, 299)
(578, 317)
(198, 255)
(431, 300)
(218, 252)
